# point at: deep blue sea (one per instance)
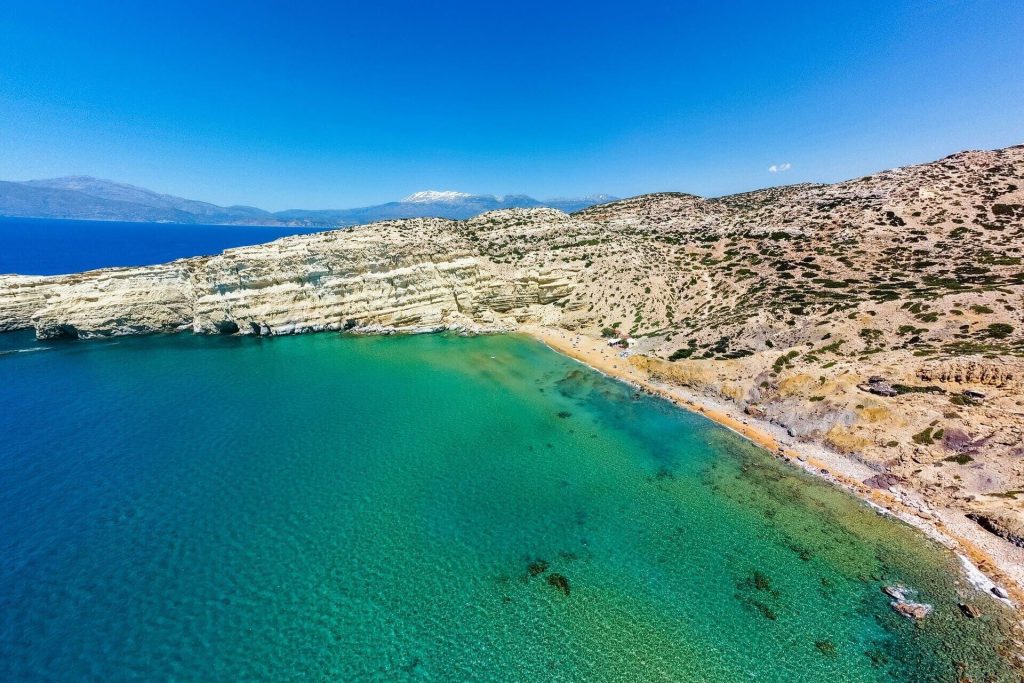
(42, 246)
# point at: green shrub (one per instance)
(680, 354)
(924, 437)
(1000, 330)
(784, 360)
(911, 389)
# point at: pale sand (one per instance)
(999, 562)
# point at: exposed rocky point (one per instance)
(901, 603)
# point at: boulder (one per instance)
(897, 592)
(1003, 528)
(883, 481)
(969, 610)
(754, 411)
(912, 610)
(901, 604)
(878, 386)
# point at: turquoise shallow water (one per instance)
(428, 508)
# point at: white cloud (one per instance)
(779, 168)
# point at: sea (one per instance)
(334, 507)
(43, 246)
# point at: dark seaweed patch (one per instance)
(537, 567)
(560, 582)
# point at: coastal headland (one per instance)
(871, 331)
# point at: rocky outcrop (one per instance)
(1004, 528)
(116, 301)
(878, 386)
(997, 373)
(902, 604)
(20, 297)
(883, 481)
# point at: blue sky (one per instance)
(300, 104)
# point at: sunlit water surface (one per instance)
(428, 508)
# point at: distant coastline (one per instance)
(93, 199)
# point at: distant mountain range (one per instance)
(86, 198)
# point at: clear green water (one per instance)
(344, 508)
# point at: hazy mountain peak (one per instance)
(88, 184)
(593, 198)
(425, 196)
(71, 181)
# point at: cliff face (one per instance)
(414, 275)
(785, 301)
(20, 297)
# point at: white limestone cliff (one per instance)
(405, 276)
